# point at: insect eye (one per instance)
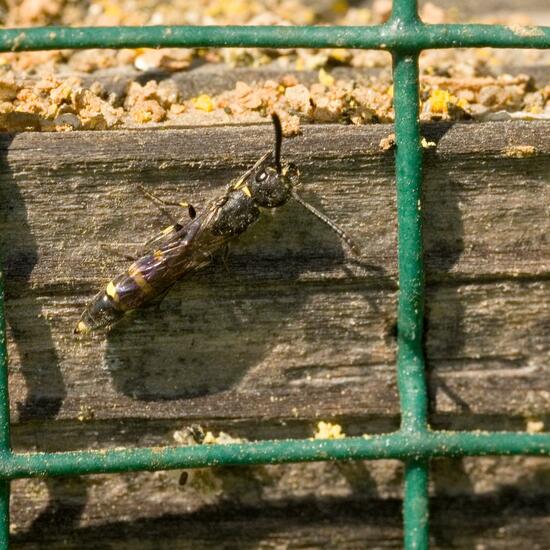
(261, 176)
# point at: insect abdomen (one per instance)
(126, 292)
(101, 311)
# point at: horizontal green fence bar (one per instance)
(396, 445)
(393, 35)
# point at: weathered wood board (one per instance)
(297, 331)
(335, 505)
(296, 312)
(503, 522)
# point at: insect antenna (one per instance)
(340, 232)
(278, 140)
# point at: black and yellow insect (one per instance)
(190, 244)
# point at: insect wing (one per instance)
(171, 256)
(171, 234)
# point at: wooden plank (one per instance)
(328, 353)
(299, 328)
(93, 177)
(337, 505)
(491, 522)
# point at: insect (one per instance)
(190, 243)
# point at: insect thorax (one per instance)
(235, 215)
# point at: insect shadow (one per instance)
(214, 329)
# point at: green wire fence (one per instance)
(405, 36)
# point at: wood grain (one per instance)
(335, 505)
(296, 311)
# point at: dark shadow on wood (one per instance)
(448, 475)
(39, 361)
(443, 244)
(456, 522)
(222, 317)
(236, 526)
(39, 364)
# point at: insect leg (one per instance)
(155, 302)
(161, 203)
(112, 250)
(225, 256)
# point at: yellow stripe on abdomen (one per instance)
(139, 279)
(111, 292)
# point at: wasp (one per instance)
(191, 242)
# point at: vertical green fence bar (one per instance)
(4, 514)
(416, 505)
(410, 358)
(408, 169)
(405, 11)
(5, 445)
